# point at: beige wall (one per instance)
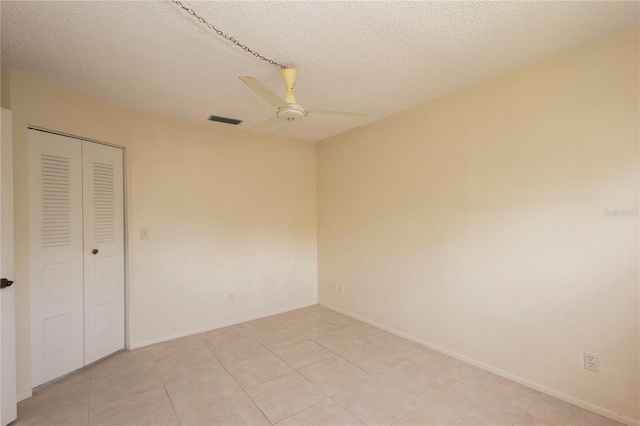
(227, 211)
(476, 223)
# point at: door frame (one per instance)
(8, 374)
(127, 308)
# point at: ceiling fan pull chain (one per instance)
(227, 36)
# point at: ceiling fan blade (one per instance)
(265, 124)
(337, 114)
(262, 91)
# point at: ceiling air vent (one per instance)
(224, 120)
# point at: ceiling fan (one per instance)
(288, 109)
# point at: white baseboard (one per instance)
(225, 324)
(541, 388)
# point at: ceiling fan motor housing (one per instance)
(294, 112)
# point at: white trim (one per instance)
(541, 388)
(55, 132)
(25, 395)
(225, 324)
(127, 290)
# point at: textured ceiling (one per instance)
(372, 57)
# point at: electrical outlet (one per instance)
(232, 297)
(144, 233)
(591, 361)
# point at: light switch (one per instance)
(144, 233)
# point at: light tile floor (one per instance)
(311, 366)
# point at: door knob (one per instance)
(5, 283)
(95, 251)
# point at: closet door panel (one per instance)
(103, 250)
(56, 260)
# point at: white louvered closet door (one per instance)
(77, 297)
(56, 261)
(103, 250)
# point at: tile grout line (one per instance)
(242, 389)
(347, 410)
(90, 393)
(440, 392)
(487, 396)
(355, 347)
(206, 348)
(258, 407)
(312, 405)
(245, 390)
(294, 370)
(529, 407)
(385, 369)
(170, 402)
(215, 400)
(496, 399)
